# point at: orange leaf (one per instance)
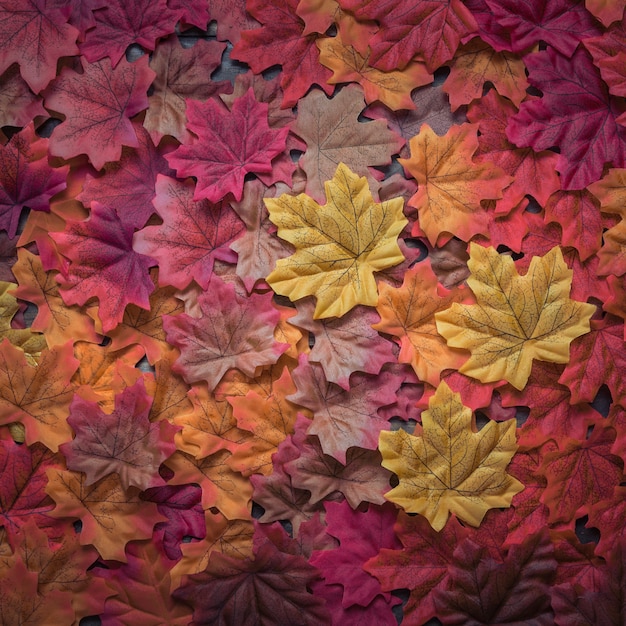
(38, 397)
(451, 185)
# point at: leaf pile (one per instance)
(308, 304)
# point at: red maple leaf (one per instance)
(26, 179)
(280, 41)
(232, 18)
(609, 517)
(192, 12)
(193, 234)
(272, 587)
(431, 29)
(229, 145)
(97, 105)
(121, 24)
(576, 113)
(597, 358)
(128, 185)
(124, 441)
(231, 332)
(18, 104)
(103, 264)
(35, 35)
(560, 23)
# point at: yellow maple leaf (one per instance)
(451, 468)
(339, 245)
(516, 318)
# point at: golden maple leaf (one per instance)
(451, 468)
(516, 318)
(339, 245)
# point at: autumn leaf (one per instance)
(30, 342)
(451, 185)
(230, 144)
(180, 73)
(408, 313)
(334, 135)
(437, 475)
(516, 318)
(97, 105)
(26, 178)
(122, 442)
(231, 332)
(192, 235)
(339, 245)
(110, 516)
(170, 393)
(474, 64)
(103, 264)
(35, 35)
(392, 88)
(39, 396)
(18, 104)
(607, 11)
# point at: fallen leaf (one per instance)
(338, 245)
(438, 477)
(516, 318)
(18, 104)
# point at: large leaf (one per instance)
(339, 245)
(437, 474)
(516, 318)
(97, 105)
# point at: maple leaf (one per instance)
(392, 88)
(334, 135)
(477, 62)
(344, 565)
(122, 442)
(58, 322)
(339, 245)
(420, 566)
(26, 179)
(231, 332)
(409, 314)
(232, 18)
(97, 105)
(429, 28)
(39, 396)
(516, 318)
(576, 114)
(609, 516)
(103, 264)
(281, 41)
(580, 474)
(110, 516)
(180, 73)
(192, 236)
(170, 394)
(128, 184)
(142, 590)
(437, 476)
(272, 587)
(35, 35)
(18, 104)
(341, 418)
(562, 24)
(21, 603)
(194, 13)
(607, 11)
(119, 25)
(344, 345)
(483, 591)
(229, 145)
(451, 185)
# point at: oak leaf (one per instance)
(110, 516)
(97, 105)
(192, 236)
(339, 245)
(38, 396)
(231, 332)
(333, 134)
(437, 474)
(229, 145)
(349, 65)
(516, 318)
(451, 185)
(408, 313)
